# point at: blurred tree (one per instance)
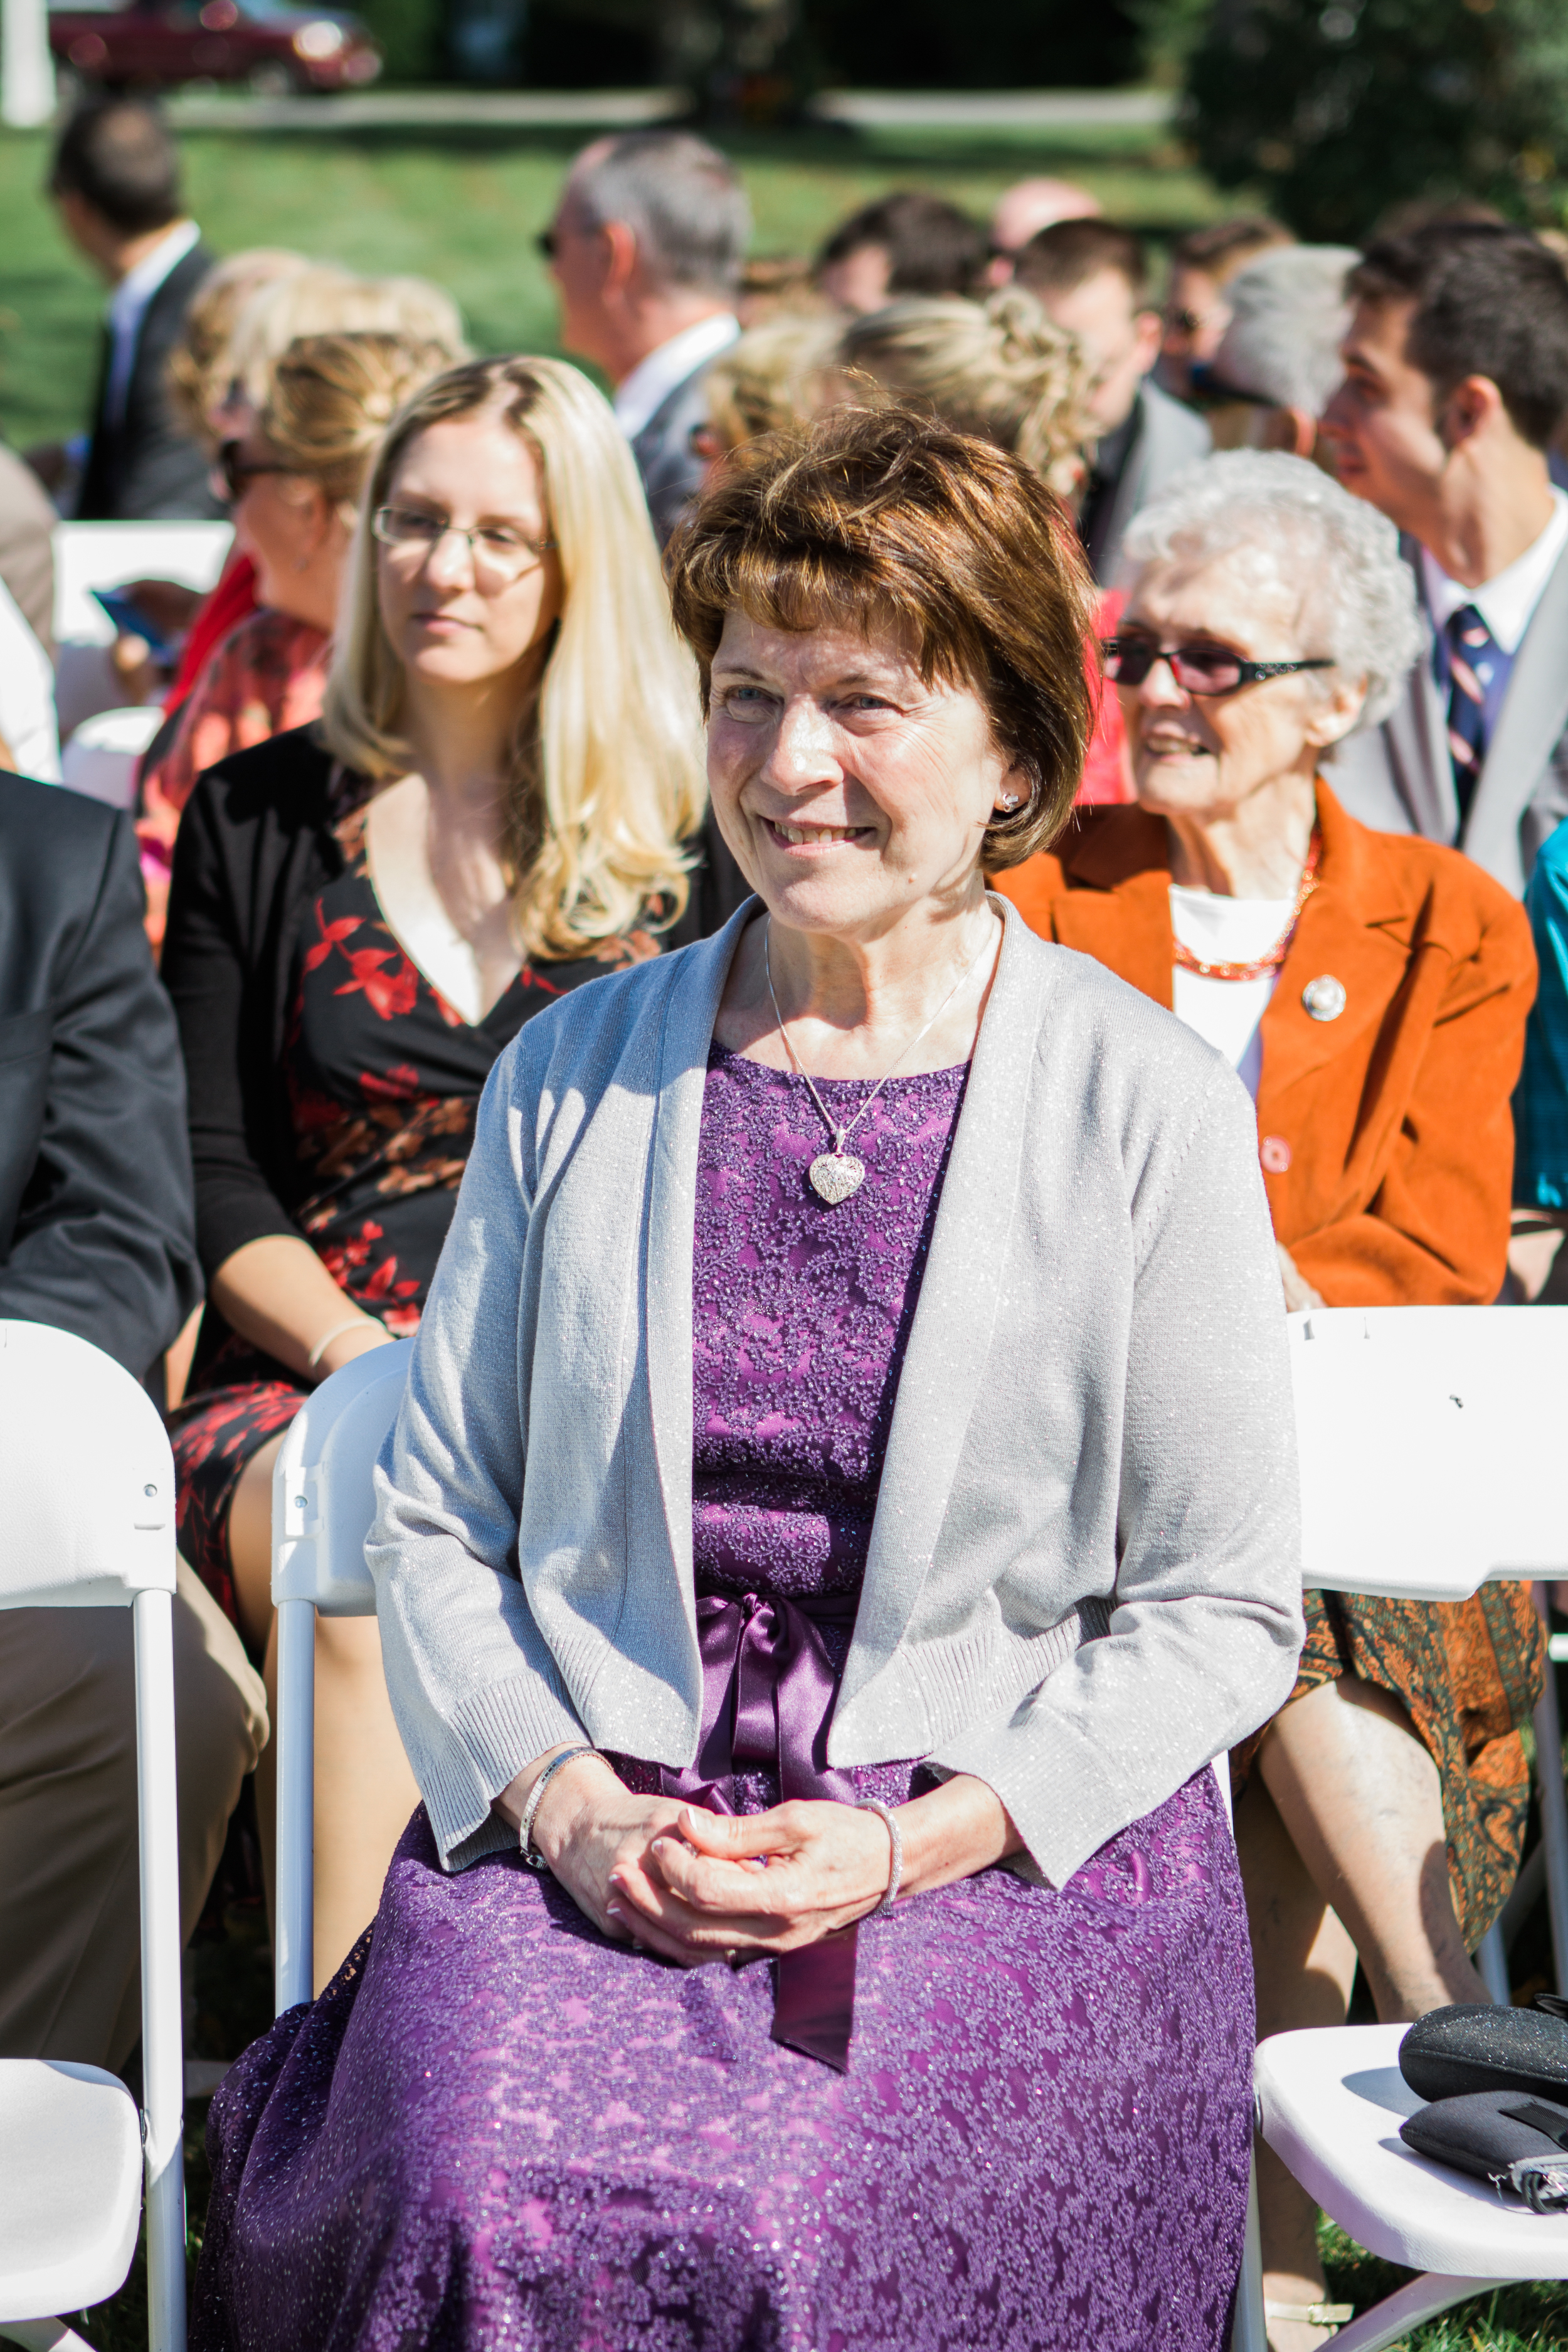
(411, 36)
(1342, 114)
(1007, 45)
(741, 59)
(758, 59)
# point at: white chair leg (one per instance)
(1553, 1814)
(1390, 2321)
(162, 2024)
(296, 1735)
(1248, 2332)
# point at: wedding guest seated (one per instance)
(292, 480)
(907, 243)
(95, 1239)
(243, 319)
(825, 1527)
(363, 913)
(1371, 990)
(1000, 368)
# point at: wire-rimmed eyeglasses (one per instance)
(1198, 666)
(497, 550)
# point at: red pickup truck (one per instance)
(158, 44)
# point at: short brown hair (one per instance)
(1221, 247)
(1489, 300)
(1059, 259)
(884, 514)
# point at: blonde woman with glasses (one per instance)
(364, 913)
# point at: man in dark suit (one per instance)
(646, 250)
(116, 182)
(1456, 379)
(1092, 277)
(96, 1238)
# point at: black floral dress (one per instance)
(383, 1079)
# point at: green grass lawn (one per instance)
(463, 207)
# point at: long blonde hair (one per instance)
(607, 779)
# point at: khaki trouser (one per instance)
(70, 1894)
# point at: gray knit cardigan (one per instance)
(1084, 1574)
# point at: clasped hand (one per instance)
(696, 1886)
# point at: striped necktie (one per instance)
(1477, 676)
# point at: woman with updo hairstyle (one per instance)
(1000, 369)
(822, 1546)
(1004, 370)
(294, 478)
(365, 911)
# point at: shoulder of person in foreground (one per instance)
(95, 1183)
(282, 785)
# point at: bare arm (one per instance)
(277, 1293)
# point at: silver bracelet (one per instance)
(895, 1874)
(313, 1360)
(526, 1846)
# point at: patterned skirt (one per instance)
(1468, 1674)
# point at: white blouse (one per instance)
(1227, 1012)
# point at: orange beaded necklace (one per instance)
(1275, 956)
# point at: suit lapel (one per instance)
(950, 1337)
(1416, 732)
(1533, 716)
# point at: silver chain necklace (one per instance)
(835, 1174)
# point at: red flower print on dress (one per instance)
(332, 936)
(389, 994)
(394, 1085)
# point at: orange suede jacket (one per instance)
(1385, 1135)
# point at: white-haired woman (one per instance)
(1371, 990)
(365, 911)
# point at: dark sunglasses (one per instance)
(1197, 668)
(234, 474)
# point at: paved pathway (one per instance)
(1042, 110)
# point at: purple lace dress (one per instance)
(495, 2129)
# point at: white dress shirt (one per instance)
(653, 379)
(128, 307)
(1507, 604)
(1226, 1014)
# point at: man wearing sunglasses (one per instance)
(1456, 380)
(646, 249)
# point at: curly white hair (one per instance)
(1358, 594)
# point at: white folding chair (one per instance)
(89, 1496)
(322, 1505)
(1429, 1465)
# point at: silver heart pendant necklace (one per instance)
(834, 1175)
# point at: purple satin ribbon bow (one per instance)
(768, 1693)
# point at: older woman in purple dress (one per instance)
(842, 1500)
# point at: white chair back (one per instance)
(322, 1505)
(1429, 1440)
(89, 1523)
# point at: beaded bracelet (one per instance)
(895, 1874)
(531, 1854)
